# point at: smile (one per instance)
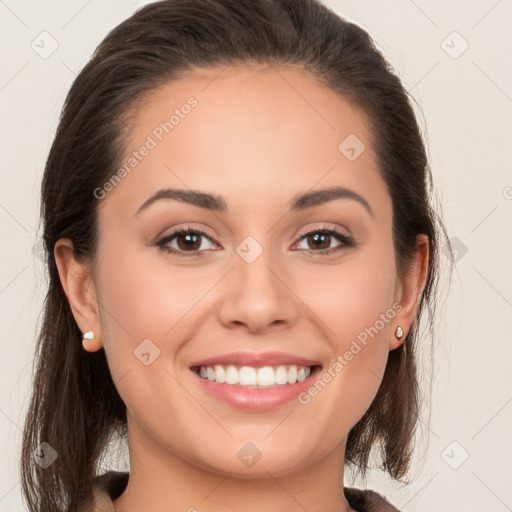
(252, 377)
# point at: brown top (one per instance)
(110, 485)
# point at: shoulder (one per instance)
(367, 501)
(106, 488)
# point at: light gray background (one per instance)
(466, 106)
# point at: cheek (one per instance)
(351, 298)
(146, 297)
(143, 328)
(353, 308)
(141, 305)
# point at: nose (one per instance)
(257, 297)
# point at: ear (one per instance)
(76, 279)
(409, 289)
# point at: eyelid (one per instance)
(322, 227)
(346, 240)
(186, 226)
(162, 240)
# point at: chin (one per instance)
(252, 463)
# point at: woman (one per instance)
(241, 245)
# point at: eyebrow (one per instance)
(217, 203)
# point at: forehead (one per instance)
(249, 131)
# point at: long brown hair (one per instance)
(75, 406)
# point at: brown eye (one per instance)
(320, 241)
(188, 242)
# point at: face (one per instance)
(260, 279)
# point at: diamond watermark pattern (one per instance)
(351, 147)
(146, 352)
(457, 247)
(45, 455)
(454, 455)
(249, 249)
(249, 454)
(38, 250)
(44, 45)
(454, 45)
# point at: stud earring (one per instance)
(399, 332)
(89, 335)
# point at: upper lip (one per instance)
(255, 359)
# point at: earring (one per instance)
(399, 332)
(89, 335)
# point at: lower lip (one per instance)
(257, 399)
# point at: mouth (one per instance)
(252, 377)
(255, 381)
(256, 389)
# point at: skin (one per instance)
(258, 137)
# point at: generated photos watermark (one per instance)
(152, 140)
(329, 373)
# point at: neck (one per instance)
(160, 480)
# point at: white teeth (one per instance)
(281, 375)
(231, 375)
(292, 375)
(220, 374)
(247, 376)
(265, 376)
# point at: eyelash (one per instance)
(346, 240)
